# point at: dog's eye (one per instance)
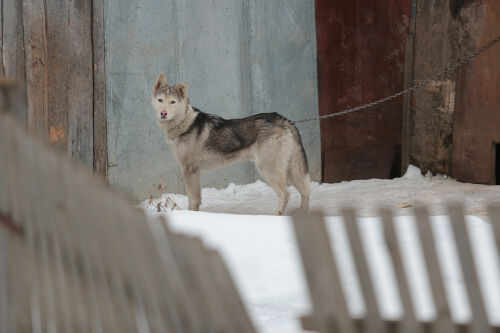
(172, 102)
(160, 100)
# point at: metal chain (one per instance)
(409, 89)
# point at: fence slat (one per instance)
(373, 321)
(409, 323)
(494, 213)
(114, 263)
(188, 251)
(168, 306)
(229, 293)
(443, 321)
(25, 307)
(147, 290)
(330, 308)
(4, 281)
(479, 317)
(175, 283)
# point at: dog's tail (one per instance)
(299, 150)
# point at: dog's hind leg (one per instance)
(302, 183)
(297, 173)
(192, 180)
(277, 180)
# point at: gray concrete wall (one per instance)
(240, 57)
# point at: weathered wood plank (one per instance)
(443, 321)
(4, 282)
(4, 237)
(187, 259)
(2, 71)
(407, 102)
(115, 269)
(213, 301)
(330, 307)
(409, 323)
(35, 41)
(175, 283)
(494, 213)
(373, 321)
(80, 83)
(166, 296)
(184, 262)
(407, 98)
(229, 294)
(100, 122)
(57, 21)
(27, 301)
(147, 298)
(13, 46)
(480, 321)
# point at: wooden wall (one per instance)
(57, 48)
(455, 121)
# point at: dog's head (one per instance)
(169, 102)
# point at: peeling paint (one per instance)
(57, 134)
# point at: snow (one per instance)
(262, 255)
(365, 195)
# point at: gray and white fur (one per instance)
(205, 141)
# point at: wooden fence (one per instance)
(331, 313)
(75, 257)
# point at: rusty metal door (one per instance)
(361, 51)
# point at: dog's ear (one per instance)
(181, 87)
(161, 82)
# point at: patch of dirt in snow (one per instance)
(365, 195)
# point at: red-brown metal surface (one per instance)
(361, 47)
(477, 107)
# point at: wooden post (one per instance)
(408, 81)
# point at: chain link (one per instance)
(409, 89)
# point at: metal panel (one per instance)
(239, 58)
(361, 55)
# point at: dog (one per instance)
(205, 141)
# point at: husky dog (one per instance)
(205, 141)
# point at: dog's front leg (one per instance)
(192, 179)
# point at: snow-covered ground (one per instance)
(262, 255)
(364, 195)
